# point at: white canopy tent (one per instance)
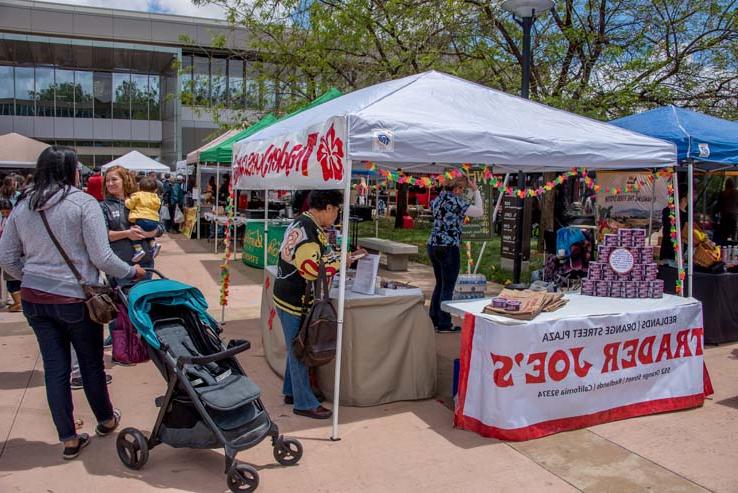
(19, 151)
(429, 118)
(135, 161)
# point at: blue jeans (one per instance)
(446, 261)
(296, 376)
(56, 327)
(147, 225)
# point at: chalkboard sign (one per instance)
(480, 228)
(511, 207)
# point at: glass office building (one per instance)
(106, 82)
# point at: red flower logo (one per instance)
(330, 155)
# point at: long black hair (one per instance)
(56, 170)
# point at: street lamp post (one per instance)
(526, 10)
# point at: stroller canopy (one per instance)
(163, 292)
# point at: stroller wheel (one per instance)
(288, 451)
(133, 448)
(243, 477)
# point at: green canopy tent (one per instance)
(222, 154)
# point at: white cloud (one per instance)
(180, 7)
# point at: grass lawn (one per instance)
(490, 265)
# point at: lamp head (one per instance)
(527, 8)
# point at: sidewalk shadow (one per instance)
(195, 471)
(191, 245)
(12, 380)
(730, 402)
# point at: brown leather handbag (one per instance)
(99, 299)
(315, 344)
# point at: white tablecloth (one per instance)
(578, 306)
(593, 361)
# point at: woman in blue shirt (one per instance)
(449, 210)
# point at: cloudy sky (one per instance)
(181, 7)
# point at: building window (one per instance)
(44, 91)
(218, 80)
(268, 99)
(235, 82)
(154, 97)
(122, 96)
(251, 89)
(201, 81)
(102, 83)
(7, 91)
(24, 92)
(65, 93)
(139, 96)
(83, 94)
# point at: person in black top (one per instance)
(667, 248)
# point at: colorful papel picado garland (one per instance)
(225, 272)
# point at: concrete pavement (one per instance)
(406, 446)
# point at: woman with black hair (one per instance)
(304, 246)
(52, 297)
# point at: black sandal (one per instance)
(103, 430)
(72, 452)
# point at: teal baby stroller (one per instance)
(209, 402)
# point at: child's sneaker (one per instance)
(138, 256)
(155, 250)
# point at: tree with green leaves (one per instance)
(601, 58)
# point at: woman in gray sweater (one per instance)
(52, 298)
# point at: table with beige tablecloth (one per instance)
(389, 349)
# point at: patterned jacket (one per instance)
(303, 245)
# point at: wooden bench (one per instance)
(397, 253)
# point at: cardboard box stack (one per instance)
(639, 282)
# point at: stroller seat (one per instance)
(219, 388)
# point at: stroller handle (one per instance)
(154, 271)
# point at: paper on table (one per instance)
(365, 279)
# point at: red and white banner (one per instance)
(527, 381)
(314, 158)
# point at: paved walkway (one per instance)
(407, 446)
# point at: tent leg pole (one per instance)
(499, 199)
(215, 212)
(678, 223)
(650, 217)
(690, 234)
(198, 178)
(266, 232)
(376, 211)
(479, 259)
(341, 301)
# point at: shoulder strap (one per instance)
(59, 247)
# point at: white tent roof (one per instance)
(438, 118)
(19, 151)
(135, 161)
(194, 156)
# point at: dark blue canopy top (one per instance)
(697, 136)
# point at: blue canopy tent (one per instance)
(702, 141)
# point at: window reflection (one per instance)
(44, 92)
(83, 94)
(139, 96)
(235, 82)
(218, 80)
(24, 91)
(122, 96)
(201, 81)
(7, 91)
(66, 91)
(102, 84)
(154, 98)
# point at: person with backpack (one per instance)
(304, 248)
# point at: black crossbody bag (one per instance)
(99, 299)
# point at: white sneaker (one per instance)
(138, 256)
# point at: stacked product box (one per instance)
(637, 282)
(470, 287)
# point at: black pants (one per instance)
(446, 261)
(56, 328)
